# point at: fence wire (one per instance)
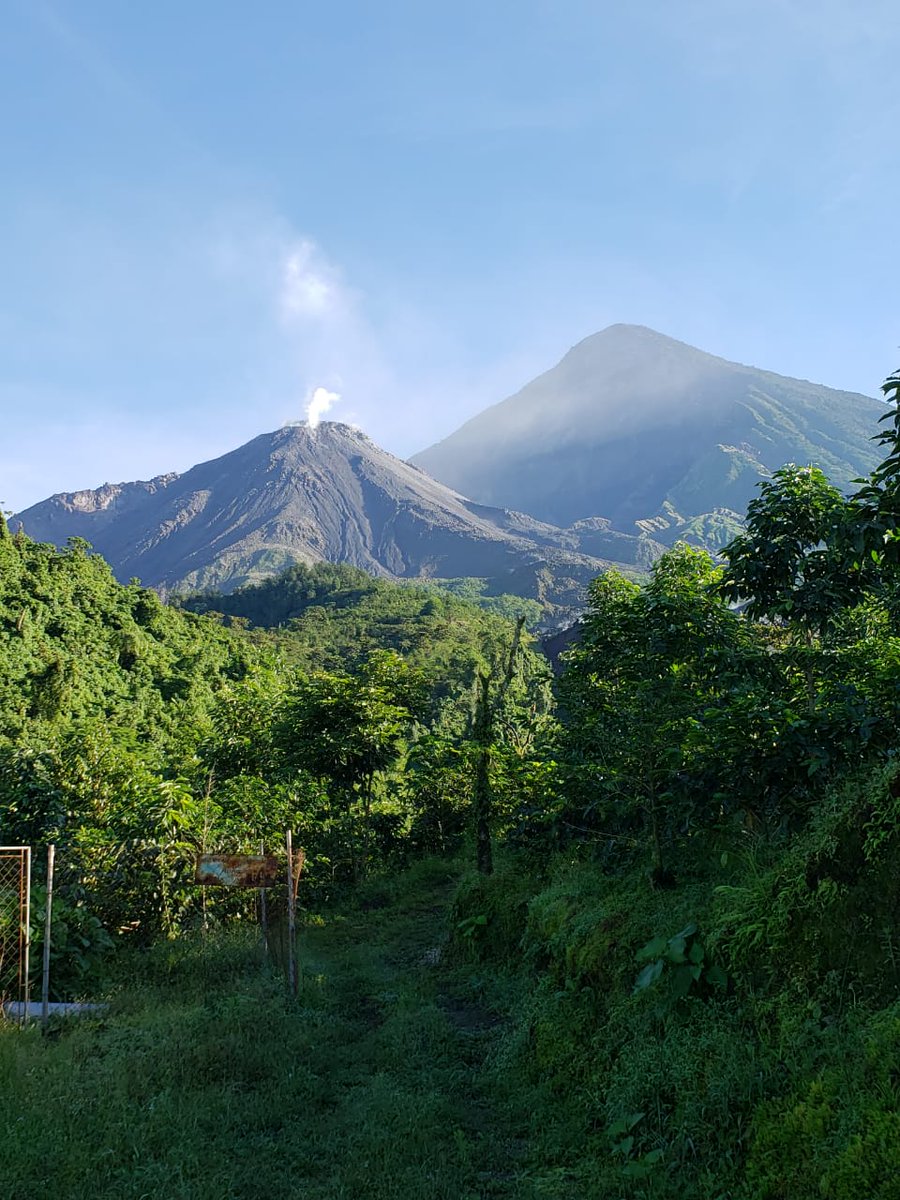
(15, 902)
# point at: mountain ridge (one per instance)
(632, 441)
(631, 419)
(303, 495)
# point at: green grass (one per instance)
(433, 1055)
(205, 1083)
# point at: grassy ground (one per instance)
(204, 1083)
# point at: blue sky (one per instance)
(209, 209)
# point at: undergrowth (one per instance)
(204, 1081)
(736, 1036)
(549, 1031)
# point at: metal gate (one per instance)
(15, 924)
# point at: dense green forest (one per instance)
(311, 595)
(630, 934)
(135, 734)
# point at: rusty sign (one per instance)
(237, 870)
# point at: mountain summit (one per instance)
(630, 442)
(306, 495)
(635, 426)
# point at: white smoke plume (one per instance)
(311, 287)
(319, 403)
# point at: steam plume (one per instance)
(319, 403)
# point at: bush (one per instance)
(79, 948)
(838, 1136)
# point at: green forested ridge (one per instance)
(680, 978)
(134, 734)
(341, 613)
(77, 646)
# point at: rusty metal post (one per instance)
(45, 980)
(263, 912)
(292, 918)
(26, 947)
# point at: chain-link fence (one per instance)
(15, 918)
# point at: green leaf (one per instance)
(688, 931)
(682, 979)
(624, 1124)
(637, 1170)
(653, 949)
(649, 975)
(675, 950)
(716, 976)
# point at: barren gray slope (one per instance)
(630, 420)
(303, 495)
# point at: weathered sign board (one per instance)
(237, 870)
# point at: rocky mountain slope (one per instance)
(308, 495)
(633, 426)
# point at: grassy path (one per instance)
(205, 1084)
(409, 1107)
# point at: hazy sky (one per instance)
(209, 209)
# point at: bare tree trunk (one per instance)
(658, 866)
(367, 809)
(810, 674)
(484, 858)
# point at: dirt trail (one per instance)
(417, 1031)
(379, 1081)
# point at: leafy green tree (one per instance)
(875, 530)
(243, 717)
(649, 665)
(437, 782)
(791, 566)
(489, 697)
(813, 566)
(348, 730)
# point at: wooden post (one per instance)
(292, 919)
(263, 913)
(48, 918)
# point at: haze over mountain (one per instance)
(305, 494)
(630, 442)
(635, 426)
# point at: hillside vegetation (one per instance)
(134, 734)
(637, 939)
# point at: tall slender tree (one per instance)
(488, 702)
